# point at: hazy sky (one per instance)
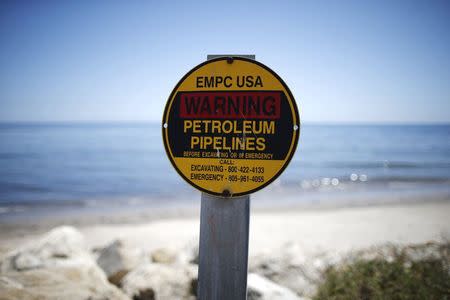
(345, 61)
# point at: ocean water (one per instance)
(50, 165)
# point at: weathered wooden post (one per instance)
(230, 127)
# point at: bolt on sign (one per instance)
(230, 126)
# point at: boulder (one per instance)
(260, 288)
(62, 246)
(117, 259)
(164, 256)
(57, 266)
(62, 282)
(291, 268)
(160, 281)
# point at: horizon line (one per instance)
(37, 122)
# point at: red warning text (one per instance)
(230, 105)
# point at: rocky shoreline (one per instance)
(60, 265)
(289, 253)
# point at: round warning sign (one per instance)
(230, 126)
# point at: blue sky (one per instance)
(345, 61)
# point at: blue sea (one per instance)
(49, 166)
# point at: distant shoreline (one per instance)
(159, 122)
(134, 210)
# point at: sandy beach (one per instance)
(340, 229)
(315, 229)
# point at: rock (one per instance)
(260, 288)
(10, 283)
(194, 286)
(164, 256)
(117, 259)
(57, 266)
(61, 246)
(147, 294)
(165, 282)
(24, 261)
(291, 268)
(61, 282)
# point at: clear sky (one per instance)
(345, 61)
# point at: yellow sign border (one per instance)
(292, 104)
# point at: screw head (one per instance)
(226, 193)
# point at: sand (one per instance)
(314, 230)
